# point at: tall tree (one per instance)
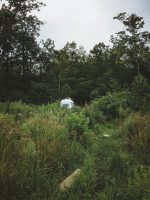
(131, 47)
(99, 61)
(18, 46)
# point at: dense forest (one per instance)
(106, 137)
(35, 72)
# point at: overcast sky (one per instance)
(87, 22)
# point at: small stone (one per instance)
(68, 182)
(106, 135)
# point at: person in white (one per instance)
(66, 103)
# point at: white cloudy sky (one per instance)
(87, 22)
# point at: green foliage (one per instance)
(51, 107)
(138, 183)
(51, 138)
(76, 122)
(119, 165)
(18, 31)
(84, 184)
(95, 115)
(18, 109)
(140, 93)
(41, 156)
(136, 131)
(77, 125)
(118, 173)
(136, 186)
(39, 73)
(41, 145)
(40, 151)
(108, 107)
(9, 151)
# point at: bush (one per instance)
(51, 107)
(136, 130)
(136, 186)
(77, 125)
(140, 91)
(108, 107)
(51, 139)
(138, 183)
(19, 109)
(95, 115)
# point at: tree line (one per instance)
(36, 72)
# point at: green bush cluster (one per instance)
(19, 109)
(136, 129)
(109, 107)
(76, 123)
(135, 187)
(140, 94)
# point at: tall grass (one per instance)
(41, 145)
(35, 156)
(136, 129)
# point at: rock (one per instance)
(106, 135)
(67, 183)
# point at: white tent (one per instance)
(67, 103)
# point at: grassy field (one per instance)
(42, 145)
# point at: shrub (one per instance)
(19, 109)
(51, 139)
(136, 186)
(95, 115)
(138, 183)
(140, 91)
(51, 107)
(136, 131)
(108, 107)
(77, 125)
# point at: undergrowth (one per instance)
(42, 145)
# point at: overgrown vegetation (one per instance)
(108, 140)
